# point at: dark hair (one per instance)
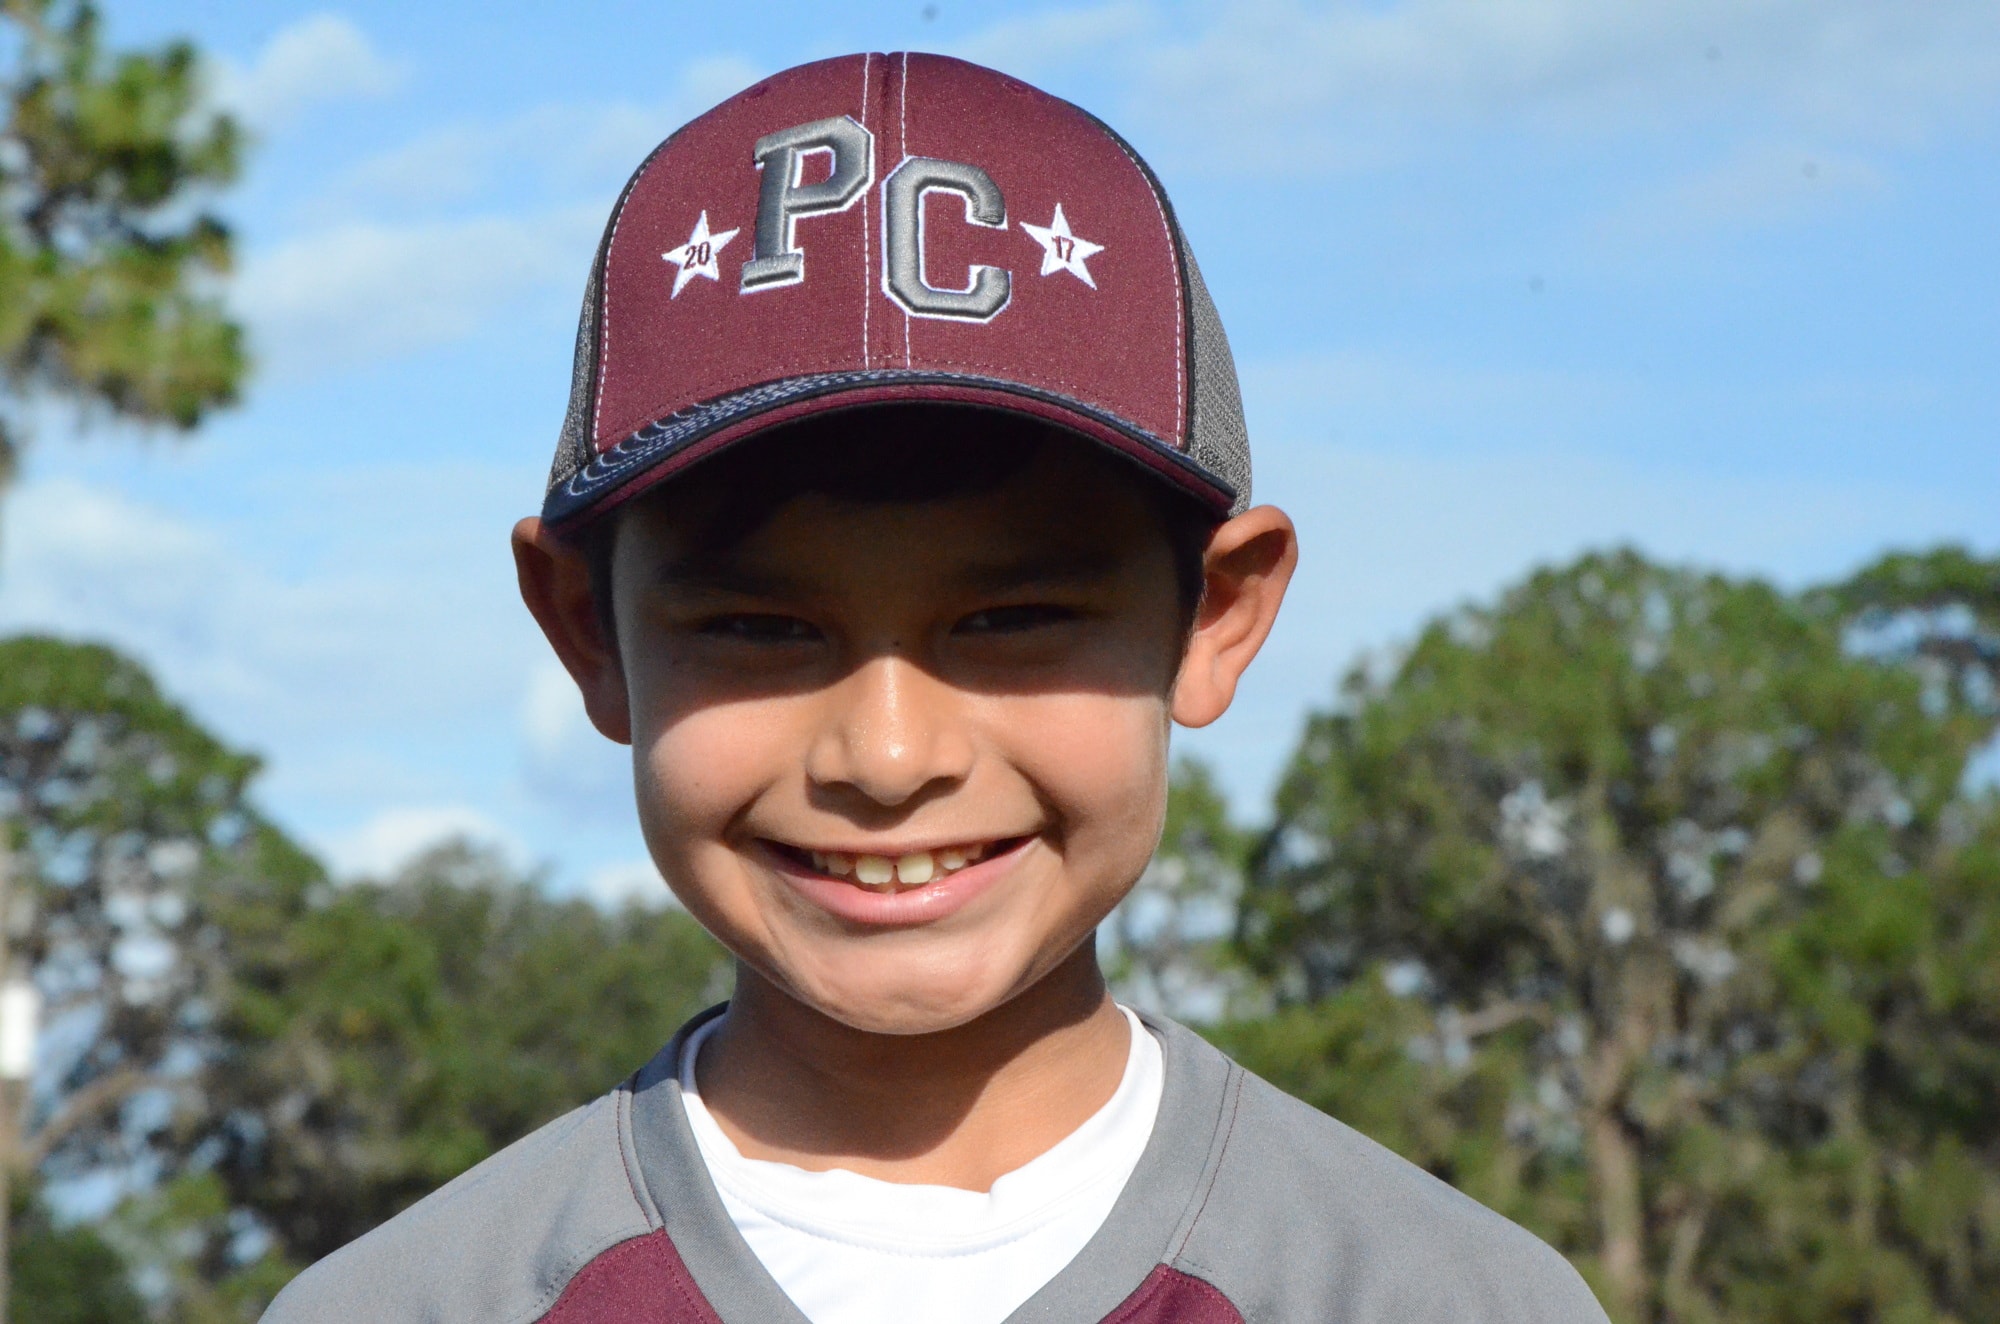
(892, 453)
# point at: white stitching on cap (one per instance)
(903, 129)
(867, 294)
(1182, 418)
(604, 307)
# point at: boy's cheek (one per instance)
(695, 774)
(1091, 753)
(1096, 764)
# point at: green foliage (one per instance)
(129, 823)
(179, 1239)
(64, 1275)
(123, 810)
(1166, 948)
(331, 1053)
(109, 270)
(1653, 909)
(391, 1035)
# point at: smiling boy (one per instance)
(902, 507)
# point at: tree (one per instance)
(66, 1275)
(1167, 948)
(277, 1063)
(1657, 910)
(124, 816)
(108, 265)
(109, 269)
(387, 1036)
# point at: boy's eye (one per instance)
(761, 628)
(1012, 620)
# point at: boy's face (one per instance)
(986, 676)
(971, 696)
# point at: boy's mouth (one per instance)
(894, 873)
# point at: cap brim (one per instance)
(670, 445)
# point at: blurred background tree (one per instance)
(1661, 912)
(66, 1275)
(1168, 947)
(122, 812)
(110, 304)
(268, 1063)
(109, 265)
(387, 1036)
(1658, 910)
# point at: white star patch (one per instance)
(697, 256)
(1061, 250)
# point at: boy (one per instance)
(902, 502)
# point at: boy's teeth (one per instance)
(912, 870)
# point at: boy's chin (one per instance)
(905, 1007)
(914, 1001)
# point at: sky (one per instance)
(1506, 280)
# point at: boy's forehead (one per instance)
(1063, 516)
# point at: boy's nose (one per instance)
(890, 731)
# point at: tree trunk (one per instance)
(1633, 993)
(1614, 1165)
(12, 1101)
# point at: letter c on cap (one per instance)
(903, 239)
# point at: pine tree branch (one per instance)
(85, 1105)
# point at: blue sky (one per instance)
(1506, 279)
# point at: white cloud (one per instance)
(508, 210)
(85, 561)
(569, 769)
(633, 882)
(1441, 484)
(393, 837)
(367, 290)
(91, 542)
(1030, 44)
(380, 680)
(552, 714)
(1281, 84)
(318, 60)
(564, 149)
(360, 662)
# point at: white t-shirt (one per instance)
(850, 1249)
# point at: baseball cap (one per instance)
(892, 228)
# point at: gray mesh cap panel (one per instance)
(573, 449)
(1218, 438)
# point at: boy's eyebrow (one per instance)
(720, 575)
(1067, 567)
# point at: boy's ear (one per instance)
(555, 583)
(1247, 566)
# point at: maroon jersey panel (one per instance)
(641, 1281)
(1169, 1296)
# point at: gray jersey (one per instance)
(1247, 1205)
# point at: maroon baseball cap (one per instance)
(893, 228)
